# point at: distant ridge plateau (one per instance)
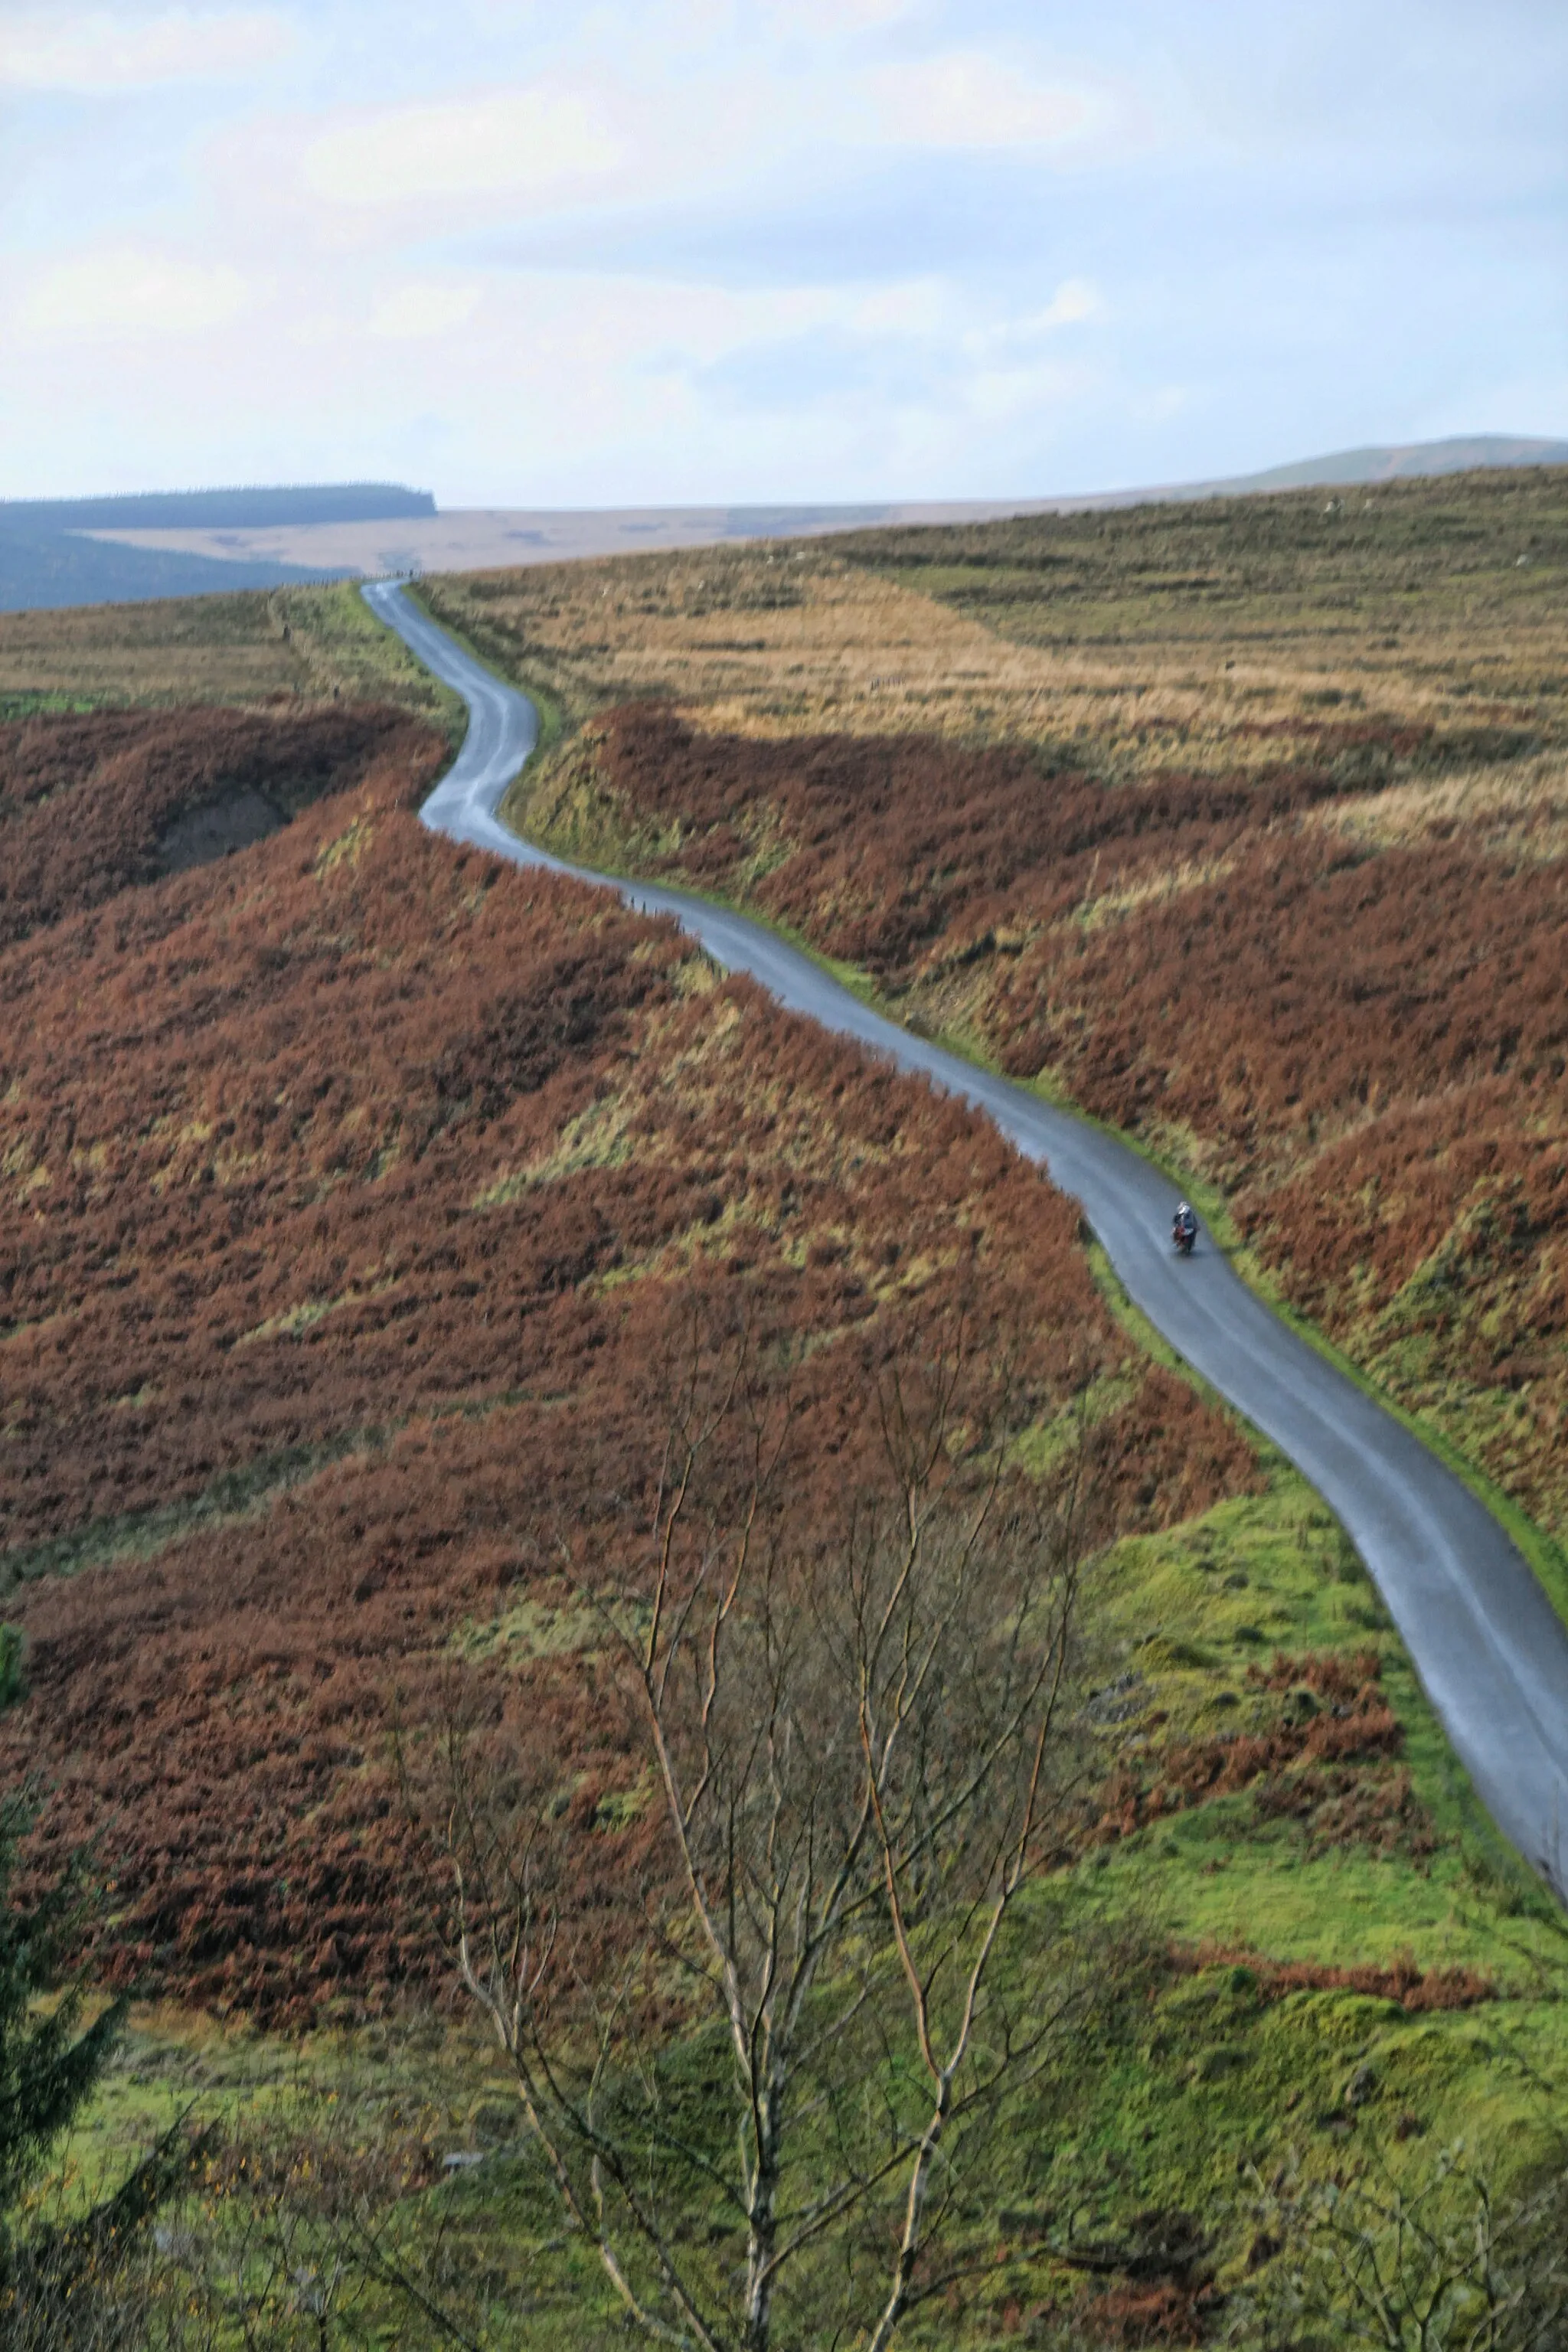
(194, 542)
(62, 551)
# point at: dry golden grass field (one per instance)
(1156, 637)
(310, 645)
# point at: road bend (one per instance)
(1488, 1644)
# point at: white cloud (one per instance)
(1075, 299)
(968, 98)
(838, 18)
(412, 313)
(913, 305)
(510, 141)
(127, 291)
(93, 52)
(1003, 396)
(936, 312)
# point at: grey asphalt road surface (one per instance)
(1488, 1644)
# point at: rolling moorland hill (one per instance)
(1466, 453)
(1242, 824)
(261, 1439)
(354, 1190)
(483, 539)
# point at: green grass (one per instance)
(316, 645)
(1192, 1611)
(344, 647)
(45, 704)
(1336, 564)
(1181, 2093)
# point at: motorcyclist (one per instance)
(1184, 1228)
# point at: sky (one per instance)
(546, 253)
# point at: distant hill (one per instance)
(39, 573)
(1399, 462)
(241, 510)
(205, 543)
(503, 538)
(46, 562)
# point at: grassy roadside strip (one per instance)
(1546, 1558)
(342, 651)
(1444, 1780)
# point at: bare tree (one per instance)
(301, 2231)
(858, 1730)
(1421, 2258)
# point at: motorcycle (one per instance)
(1184, 1233)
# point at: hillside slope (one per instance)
(221, 528)
(355, 1195)
(1243, 825)
(375, 1173)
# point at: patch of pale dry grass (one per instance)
(216, 649)
(307, 645)
(779, 643)
(765, 647)
(1097, 911)
(1516, 811)
(844, 651)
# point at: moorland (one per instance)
(1242, 826)
(358, 1197)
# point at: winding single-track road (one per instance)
(1487, 1642)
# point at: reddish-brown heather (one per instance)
(87, 803)
(1403, 1980)
(1342, 1681)
(352, 1189)
(1322, 1761)
(1366, 1043)
(1143, 2314)
(892, 840)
